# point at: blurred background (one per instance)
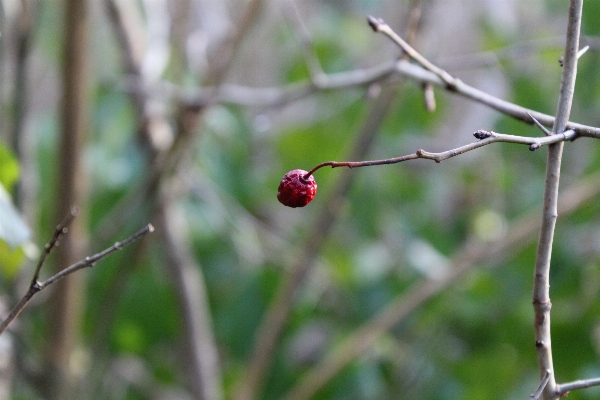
(404, 281)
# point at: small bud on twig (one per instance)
(481, 134)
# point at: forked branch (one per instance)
(541, 280)
(36, 286)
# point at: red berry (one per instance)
(295, 191)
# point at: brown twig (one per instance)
(36, 286)
(487, 137)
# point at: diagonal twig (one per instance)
(487, 137)
(536, 395)
(36, 286)
(378, 25)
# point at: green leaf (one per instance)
(9, 168)
(10, 260)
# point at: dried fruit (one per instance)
(296, 191)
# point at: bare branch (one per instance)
(539, 125)
(280, 95)
(541, 282)
(60, 230)
(201, 348)
(419, 74)
(582, 51)
(379, 26)
(311, 59)
(91, 260)
(37, 286)
(536, 395)
(565, 388)
(487, 137)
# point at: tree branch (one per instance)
(541, 282)
(280, 95)
(36, 286)
(200, 345)
(378, 25)
(536, 395)
(565, 388)
(487, 137)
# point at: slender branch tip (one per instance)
(374, 23)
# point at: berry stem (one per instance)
(356, 164)
(485, 138)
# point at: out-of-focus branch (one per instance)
(200, 346)
(36, 286)
(275, 96)
(229, 47)
(310, 57)
(25, 25)
(65, 309)
(468, 258)
(541, 281)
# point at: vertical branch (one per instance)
(65, 309)
(24, 31)
(541, 283)
(229, 47)
(202, 356)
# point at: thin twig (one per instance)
(541, 282)
(565, 388)
(60, 230)
(539, 125)
(487, 137)
(582, 52)
(36, 286)
(280, 95)
(540, 389)
(379, 25)
(310, 56)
